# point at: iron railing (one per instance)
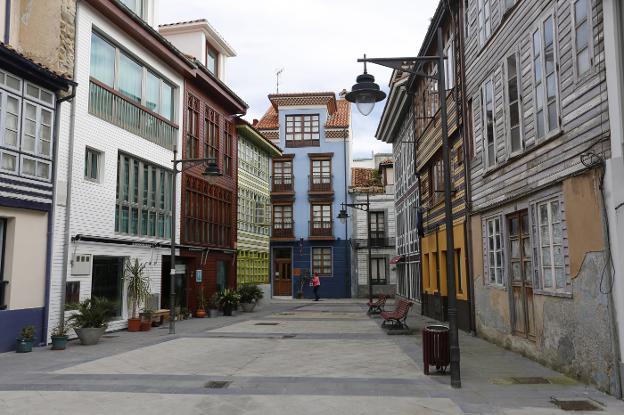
(283, 229)
(116, 109)
(321, 227)
(321, 183)
(283, 183)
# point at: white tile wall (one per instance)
(93, 204)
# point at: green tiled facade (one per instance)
(254, 205)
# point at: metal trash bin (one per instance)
(436, 347)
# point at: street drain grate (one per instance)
(289, 336)
(576, 405)
(217, 384)
(267, 324)
(529, 381)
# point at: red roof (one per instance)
(339, 110)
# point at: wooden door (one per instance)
(282, 277)
(521, 273)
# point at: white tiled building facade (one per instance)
(94, 240)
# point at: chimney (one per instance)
(255, 122)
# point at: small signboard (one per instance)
(198, 275)
(297, 272)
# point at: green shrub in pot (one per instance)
(91, 320)
(26, 339)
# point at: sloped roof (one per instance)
(342, 116)
(339, 118)
(269, 120)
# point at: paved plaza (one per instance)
(289, 357)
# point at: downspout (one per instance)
(52, 214)
(70, 168)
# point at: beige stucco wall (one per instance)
(25, 257)
(44, 31)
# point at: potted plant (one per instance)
(213, 305)
(185, 313)
(138, 286)
(201, 304)
(228, 300)
(92, 318)
(249, 296)
(146, 320)
(59, 336)
(25, 340)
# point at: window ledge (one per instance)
(526, 151)
(553, 293)
(496, 286)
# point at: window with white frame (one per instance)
(484, 20)
(489, 121)
(26, 123)
(513, 104)
(494, 251)
(137, 6)
(545, 78)
(582, 36)
(322, 261)
(550, 230)
(92, 164)
(449, 64)
(119, 70)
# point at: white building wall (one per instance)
(93, 204)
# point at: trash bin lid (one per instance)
(436, 327)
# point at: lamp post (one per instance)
(211, 171)
(343, 216)
(366, 91)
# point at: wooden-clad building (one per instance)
(537, 101)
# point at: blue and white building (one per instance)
(309, 183)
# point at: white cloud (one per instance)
(317, 42)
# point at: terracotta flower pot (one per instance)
(200, 313)
(134, 324)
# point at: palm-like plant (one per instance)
(138, 284)
(93, 313)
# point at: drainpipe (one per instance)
(347, 242)
(70, 169)
(52, 213)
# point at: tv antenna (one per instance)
(278, 72)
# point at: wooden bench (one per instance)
(376, 307)
(158, 316)
(398, 316)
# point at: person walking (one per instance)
(316, 283)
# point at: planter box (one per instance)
(89, 336)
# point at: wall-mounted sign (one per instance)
(297, 272)
(198, 275)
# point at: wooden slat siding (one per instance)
(431, 140)
(582, 102)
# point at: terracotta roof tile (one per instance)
(340, 118)
(269, 120)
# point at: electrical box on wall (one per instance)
(81, 265)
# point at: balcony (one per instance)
(377, 241)
(321, 229)
(111, 106)
(283, 184)
(321, 183)
(283, 230)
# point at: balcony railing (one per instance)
(321, 228)
(321, 183)
(376, 242)
(109, 105)
(283, 183)
(283, 229)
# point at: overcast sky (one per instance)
(317, 42)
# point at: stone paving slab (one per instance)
(95, 403)
(303, 327)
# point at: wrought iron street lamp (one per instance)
(365, 93)
(210, 172)
(359, 93)
(343, 216)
